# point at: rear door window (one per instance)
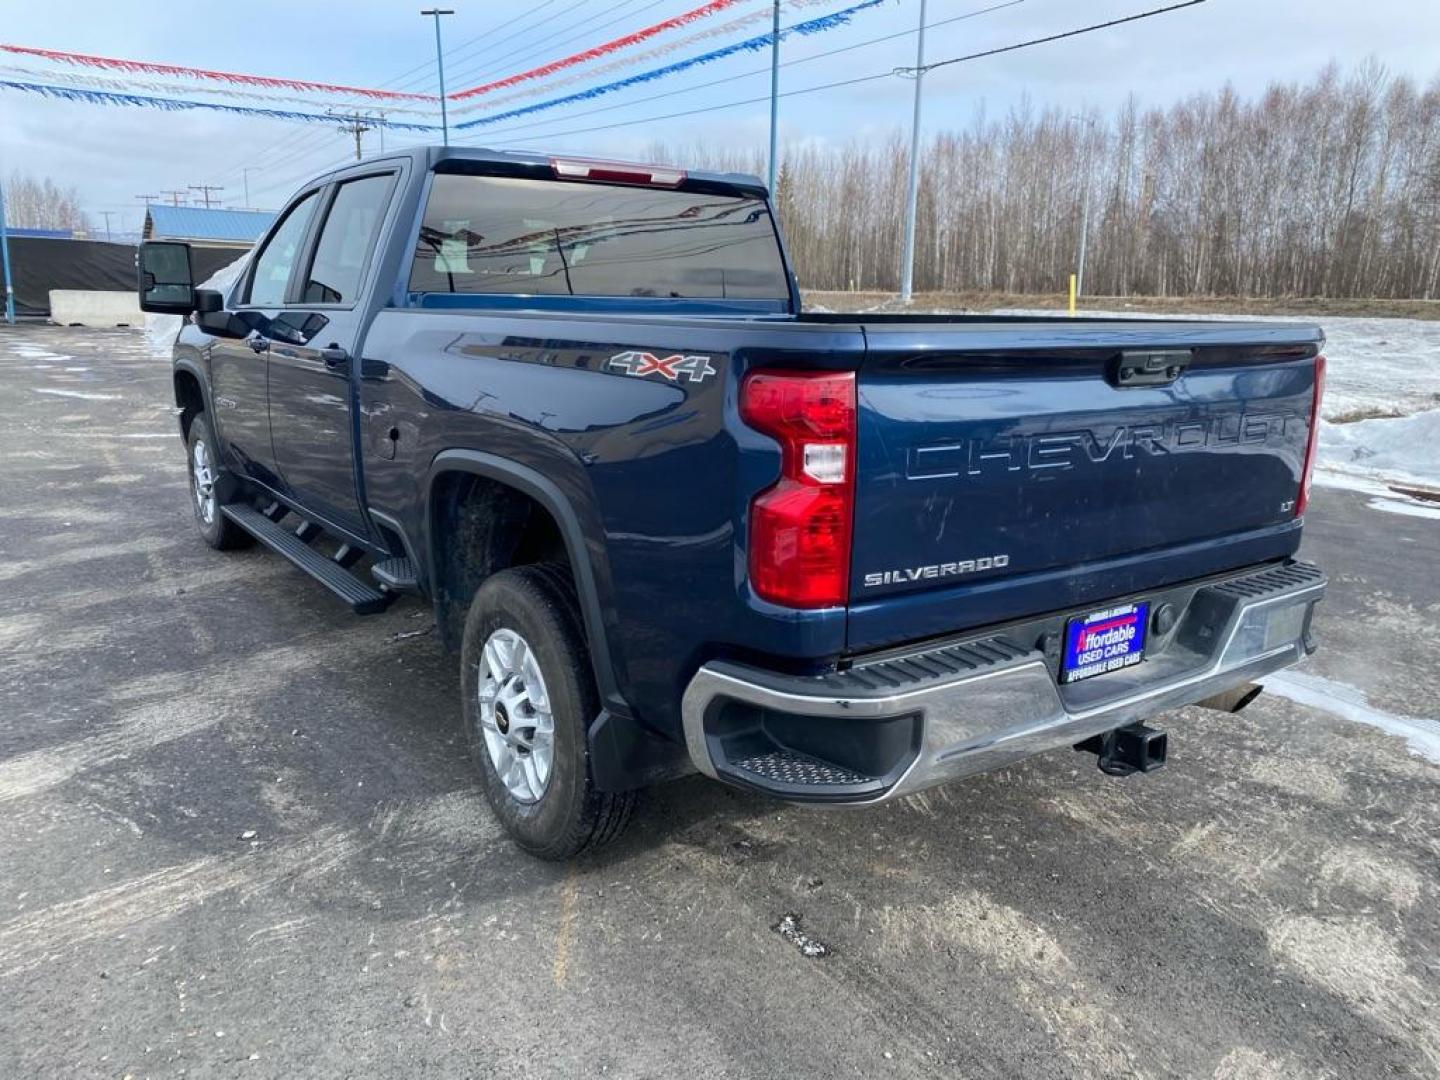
(276, 260)
(493, 234)
(346, 240)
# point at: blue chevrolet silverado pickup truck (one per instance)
(672, 522)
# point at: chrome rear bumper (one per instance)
(900, 724)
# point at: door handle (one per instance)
(257, 343)
(334, 356)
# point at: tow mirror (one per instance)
(166, 282)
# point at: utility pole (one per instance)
(774, 92)
(147, 200)
(355, 124)
(205, 190)
(176, 196)
(5, 261)
(106, 215)
(912, 191)
(1089, 123)
(440, 69)
(245, 180)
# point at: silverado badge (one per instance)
(694, 368)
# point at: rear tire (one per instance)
(209, 486)
(528, 700)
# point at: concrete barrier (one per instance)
(81, 307)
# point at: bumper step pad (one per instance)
(785, 767)
(362, 598)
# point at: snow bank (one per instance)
(1392, 365)
(162, 330)
(1406, 449)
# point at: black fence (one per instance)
(44, 263)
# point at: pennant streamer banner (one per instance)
(146, 68)
(123, 89)
(754, 44)
(599, 50)
(130, 86)
(145, 101)
(653, 53)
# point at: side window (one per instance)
(346, 240)
(277, 259)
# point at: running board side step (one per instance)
(396, 575)
(363, 599)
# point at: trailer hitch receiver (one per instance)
(1130, 749)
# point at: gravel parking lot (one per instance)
(239, 837)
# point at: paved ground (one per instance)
(1265, 907)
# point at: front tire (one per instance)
(529, 697)
(209, 482)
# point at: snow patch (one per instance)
(1407, 508)
(35, 352)
(81, 394)
(1349, 703)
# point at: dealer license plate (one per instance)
(1104, 641)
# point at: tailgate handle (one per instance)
(1148, 367)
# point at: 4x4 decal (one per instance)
(692, 368)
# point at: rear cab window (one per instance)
(522, 236)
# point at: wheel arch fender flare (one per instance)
(548, 494)
(190, 364)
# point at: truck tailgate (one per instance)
(1009, 469)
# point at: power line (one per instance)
(304, 141)
(744, 75)
(866, 78)
(176, 196)
(1052, 37)
(458, 49)
(490, 49)
(528, 56)
(543, 45)
(806, 26)
(205, 190)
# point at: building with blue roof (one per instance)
(201, 225)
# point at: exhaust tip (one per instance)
(1233, 701)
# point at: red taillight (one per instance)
(617, 172)
(800, 526)
(1310, 447)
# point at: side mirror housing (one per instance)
(211, 316)
(166, 281)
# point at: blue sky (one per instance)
(112, 154)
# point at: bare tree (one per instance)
(42, 204)
(1326, 188)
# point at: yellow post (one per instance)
(1072, 296)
